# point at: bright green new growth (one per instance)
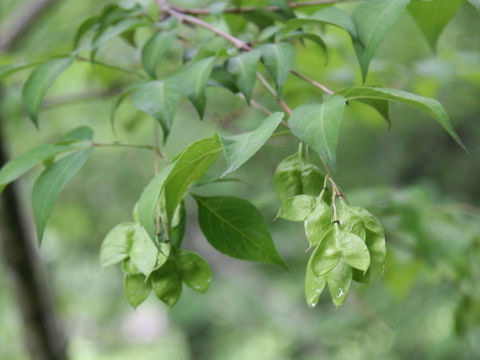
(346, 242)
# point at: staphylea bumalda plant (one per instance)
(346, 242)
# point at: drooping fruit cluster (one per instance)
(348, 242)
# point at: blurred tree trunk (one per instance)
(43, 334)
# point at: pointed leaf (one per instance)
(239, 148)
(117, 244)
(195, 271)
(319, 223)
(297, 208)
(39, 82)
(294, 176)
(131, 88)
(85, 26)
(432, 17)
(116, 30)
(326, 255)
(382, 107)
(318, 125)
(311, 37)
(80, 133)
(143, 252)
(339, 281)
(13, 68)
(244, 69)
(190, 165)
(155, 49)
(167, 283)
(278, 59)
(329, 15)
(354, 250)
(18, 166)
(159, 99)
(373, 19)
(137, 289)
(194, 82)
(236, 228)
(314, 285)
(49, 184)
(147, 204)
(429, 106)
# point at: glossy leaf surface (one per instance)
(236, 228)
(49, 184)
(239, 148)
(318, 125)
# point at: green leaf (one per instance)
(239, 148)
(244, 69)
(159, 99)
(129, 268)
(77, 134)
(429, 106)
(311, 37)
(84, 27)
(18, 166)
(117, 244)
(116, 30)
(144, 254)
(178, 225)
(39, 82)
(382, 107)
(49, 184)
(294, 176)
(13, 68)
(318, 223)
(167, 283)
(326, 255)
(432, 17)
(137, 289)
(195, 271)
(220, 77)
(354, 250)
(147, 204)
(236, 228)
(373, 19)
(155, 49)
(314, 285)
(298, 207)
(194, 82)
(190, 165)
(131, 88)
(329, 15)
(339, 281)
(278, 59)
(318, 125)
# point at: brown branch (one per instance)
(239, 44)
(249, 9)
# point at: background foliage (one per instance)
(413, 177)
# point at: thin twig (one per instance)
(272, 91)
(313, 82)
(180, 14)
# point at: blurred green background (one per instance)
(419, 183)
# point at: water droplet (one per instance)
(341, 293)
(318, 291)
(313, 305)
